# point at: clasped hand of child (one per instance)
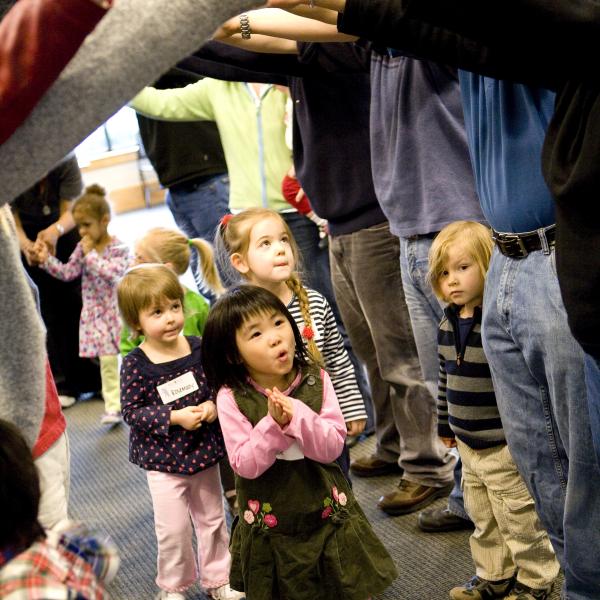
(191, 417)
(280, 407)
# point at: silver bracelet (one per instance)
(245, 27)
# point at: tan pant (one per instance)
(508, 534)
(109, 373)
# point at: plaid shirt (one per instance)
(66, 567)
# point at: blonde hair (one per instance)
(233, 237)
(92, 202)
(475, 238)
(144, 286)
(170, 246)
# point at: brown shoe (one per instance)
(371, 466)
(409, 497)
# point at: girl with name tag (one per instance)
(257, 246)
(174, 435)
(301, 534)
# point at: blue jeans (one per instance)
(592, 380)
(426, 312)
(197, 212)
(366, 275)
(537, 368)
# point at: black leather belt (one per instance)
(519, 245)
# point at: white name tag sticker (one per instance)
(177, 388)
(292, 453)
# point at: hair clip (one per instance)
(308, 333)
(225, 220)
(190, 243)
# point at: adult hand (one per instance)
(49, 236)
(356, 427)
(29, 252)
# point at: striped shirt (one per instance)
(336, 359)
(466, 404)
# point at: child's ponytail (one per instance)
(307, 332)
(208, 265)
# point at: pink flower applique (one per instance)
(334, 504)
(260, 515)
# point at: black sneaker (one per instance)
(524, 592)
(482, 589)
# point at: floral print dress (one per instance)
(99, 324)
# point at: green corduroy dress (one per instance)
(301, 534)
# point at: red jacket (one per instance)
(37, 40)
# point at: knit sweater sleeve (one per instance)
(193, 102)
(340, 368)
(442, 402)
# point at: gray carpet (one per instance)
(111, 494)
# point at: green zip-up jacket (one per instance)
(251, 129)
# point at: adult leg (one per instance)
(208, 517)
(426, 313)
(537, 367)
(370, 261)
(176, 562)
(592, 381)
(197, 212)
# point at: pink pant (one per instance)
(176, 498)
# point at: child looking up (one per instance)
(174, 436)
(63, 563)
(100, 259)
(512, 553)
(261, 249)
(302, 534)
(172, 248)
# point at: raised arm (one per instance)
(274, 30)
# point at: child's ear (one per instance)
(238, 263)
(105, 220)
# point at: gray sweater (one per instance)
(134, 44)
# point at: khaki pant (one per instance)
(109, 372)
(508, 534)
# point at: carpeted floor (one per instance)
(111, 494)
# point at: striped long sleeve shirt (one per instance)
(466, 404)
(336, 359)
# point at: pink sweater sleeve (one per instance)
(37, 40)
(320, 436)
(251, 450)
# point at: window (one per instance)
(118, 133)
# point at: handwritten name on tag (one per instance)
(177, 388)
(292, 453)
